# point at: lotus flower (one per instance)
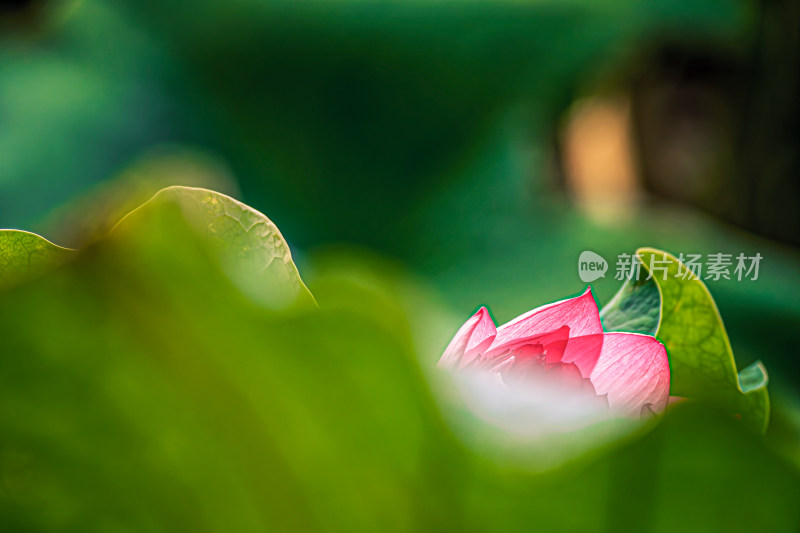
(563, 345)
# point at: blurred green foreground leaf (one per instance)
(250, 247)
(142, 389)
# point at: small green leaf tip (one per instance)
(24, 255)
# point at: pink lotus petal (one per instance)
(633, 370)
(483, 334)
(559, 351)
(470, 340)
(579, 313)
(524, 351)
(565, 375)
(583, 352)
(555, 340)
(522, 364)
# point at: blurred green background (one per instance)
(472, 149)
(476, 142)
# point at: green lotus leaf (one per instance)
(24, 255)
(676, 306)
(249, 245)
